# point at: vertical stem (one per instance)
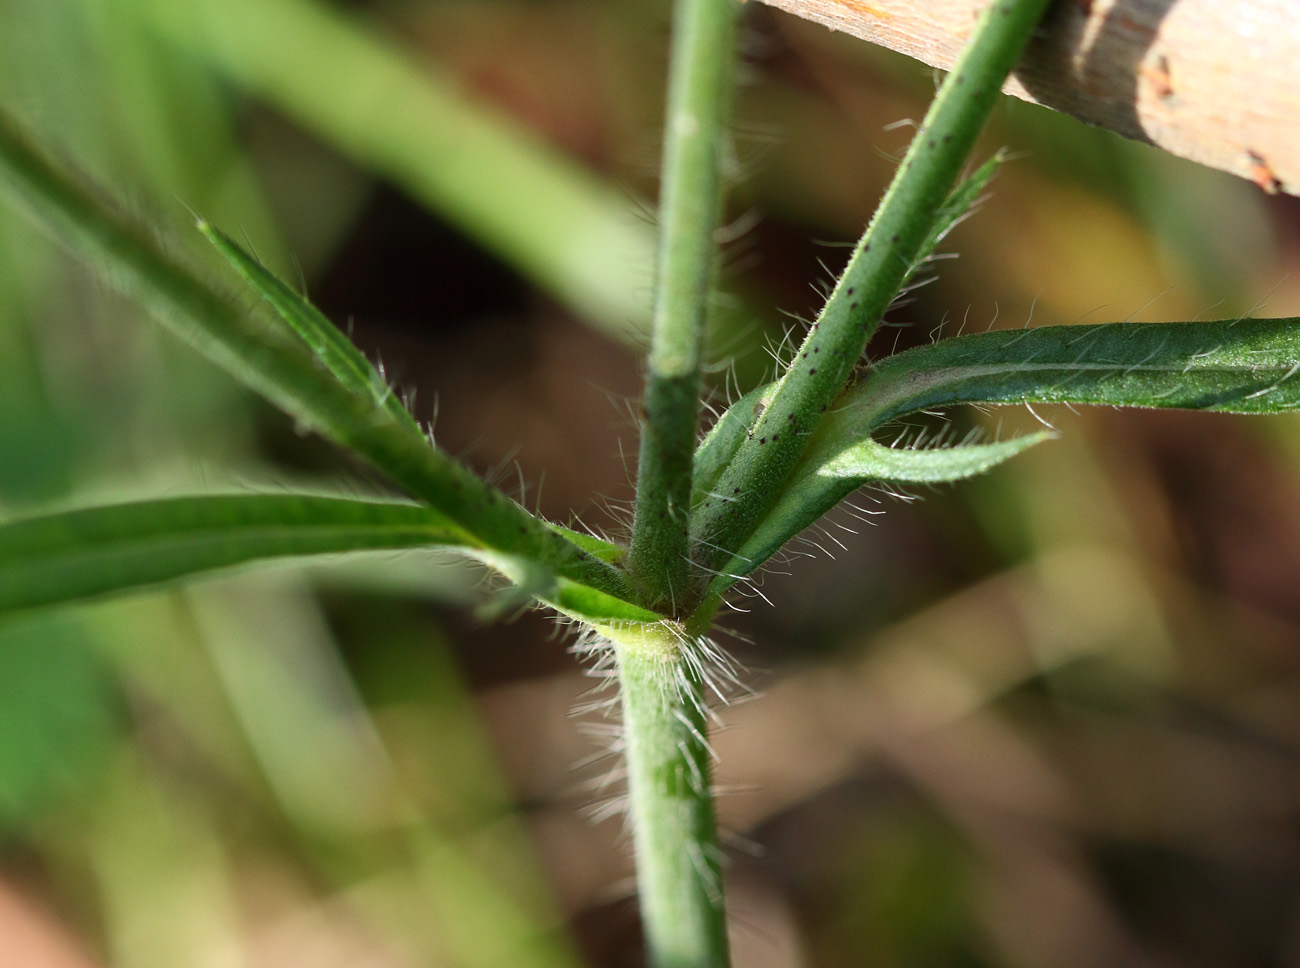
(679, 873)
(699, 99)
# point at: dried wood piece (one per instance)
(1216, 81)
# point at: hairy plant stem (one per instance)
(679, 873)
(880, 263)
(699, 101)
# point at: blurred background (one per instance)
(1050, 716)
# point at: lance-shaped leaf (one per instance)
(837, 465)
(340, 356)
(278, 366)
(1229, 365)
(72, 555)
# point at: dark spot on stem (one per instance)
(762, 440)
(894, 237)
(812, 370)
(817, 349)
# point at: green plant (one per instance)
(707, 516)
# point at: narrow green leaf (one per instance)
(94, 551)
(348, 364)
(836, 467)
(1230, 365)
(72, 555)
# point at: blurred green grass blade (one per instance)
(556, 223)
(276, 365)
(836, 467)
(77, 554)
(1230, 365)
(63, 719)
(349, 366)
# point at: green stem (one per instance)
(699, 102)
(679, 874)
(880, 262)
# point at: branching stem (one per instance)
(880, 263)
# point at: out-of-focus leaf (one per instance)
(60, 714)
